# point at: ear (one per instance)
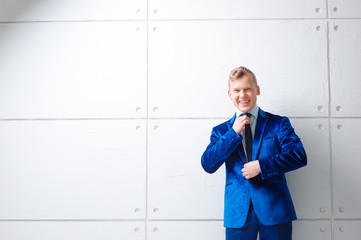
(258, 90)
(229, 94)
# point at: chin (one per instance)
(244, 109)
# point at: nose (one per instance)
(241, 93)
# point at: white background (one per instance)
(107, 106)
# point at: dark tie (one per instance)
(249, 139)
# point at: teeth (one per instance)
(244, 101)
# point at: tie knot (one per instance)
(248, 114)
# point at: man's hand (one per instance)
(251, 169)
(239, 123)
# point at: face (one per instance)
(243, 92)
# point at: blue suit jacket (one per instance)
(278, 150)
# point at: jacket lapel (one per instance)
(262, 120)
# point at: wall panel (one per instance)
(73, 70)
(345, 58)
(347, 230)
(72, 10)
(310, 186)
(189, 64)
(312, 230)
(346, 168)
(72, 169)
(236, 9)
(344, 9)
(72, 230)
(178, 187)
(162, 230)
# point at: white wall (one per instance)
(106, 107)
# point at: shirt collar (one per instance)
(253, 111)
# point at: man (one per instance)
(258, 148)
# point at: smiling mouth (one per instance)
(244, 101)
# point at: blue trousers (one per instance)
(250, 230)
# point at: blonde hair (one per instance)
(239, 72)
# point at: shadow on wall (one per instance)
(13, 11)
(18, 11)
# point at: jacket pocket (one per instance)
(267, 137)
(228, 184)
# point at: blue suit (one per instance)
(278, 150)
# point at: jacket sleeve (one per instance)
(219, 149)
(291, 157)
